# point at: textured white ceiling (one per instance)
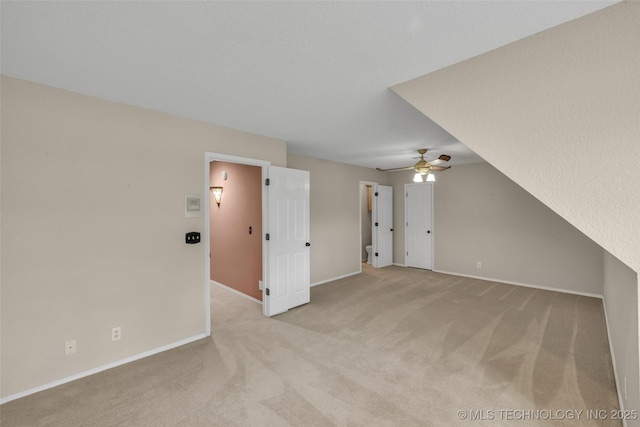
(315, 74)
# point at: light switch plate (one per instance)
(192, 205)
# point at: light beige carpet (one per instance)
(395, 346)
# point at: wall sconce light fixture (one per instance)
(217, 194)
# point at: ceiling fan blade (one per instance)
(395, 169)
(440, 168)
(442, 159)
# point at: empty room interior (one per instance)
(208, 213)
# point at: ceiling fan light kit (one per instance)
(430, 178)
(424, 167)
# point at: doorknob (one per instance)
(307, 244)
(428, 231)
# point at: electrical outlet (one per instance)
(259, 284)
(69, 347)
(116, 333)
(479, 264)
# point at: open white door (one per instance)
(287, 283)
(419, 225)
(382, 226)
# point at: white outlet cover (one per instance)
(116, 333)
(69, 347)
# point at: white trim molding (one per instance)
(336, 278)
(230, 289)
(526, 285)
(102, 368)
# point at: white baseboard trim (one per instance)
(613, 363)
(336, 278)
(399, 265)
(526, 285)
(102, 368)
(230, 289)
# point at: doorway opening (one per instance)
(376, 223)
(284, 215)
(366, 222)
(241, 173)
(235, 224)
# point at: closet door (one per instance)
(419, 225)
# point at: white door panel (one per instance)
(382, 226)
(287, 283)
(419, 225)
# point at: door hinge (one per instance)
(267, 291)
(266, 181)
(376, 194)
(267, 236)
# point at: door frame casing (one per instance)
(264, 165)
(406, 213)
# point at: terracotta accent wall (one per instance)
(236, 255)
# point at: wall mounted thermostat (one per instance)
(192, 237)
(192, 206)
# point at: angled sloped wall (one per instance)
(559, 114)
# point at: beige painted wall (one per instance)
(93, 229)
(335, 214)
(484, 216)
(558, 113)
(621, 303)
(481, 215)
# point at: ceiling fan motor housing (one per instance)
(422, 167)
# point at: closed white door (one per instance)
(419, 225)
(382, 251)
(287, 284)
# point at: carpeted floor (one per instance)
(394, 346)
